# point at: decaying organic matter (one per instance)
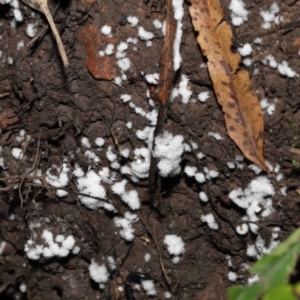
(232, 85)
(78, 155)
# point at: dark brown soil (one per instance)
(57, 109)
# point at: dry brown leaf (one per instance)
(101, 67)
(167, 73)
(242, 111)
(7, 117)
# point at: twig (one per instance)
(166, 78)
(167, 279)
(149, 8)
(3, 95)
(42, 33)
(259, 225)
(31, 169)
(42, 6)
(292, 150)
(63, 23)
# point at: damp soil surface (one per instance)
(48, 111)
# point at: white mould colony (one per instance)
(255, 200)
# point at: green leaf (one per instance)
(284, 246)
(274, 270)
(240, 292)
(283, 292)
(296, 289)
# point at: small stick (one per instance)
(31, 169)
(4, 95)
(167, 279)
(291, 149)
(40, 35)
(63, 24)
(42, 6)
(164, 87)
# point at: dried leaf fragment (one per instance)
(7, 117)
(242, 111)
(100, 67)
(167, 72)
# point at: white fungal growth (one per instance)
(157, 24)
(199, 177)
(148, 286)
(20, 45)
(119, 187)
(125, 224)
(18, 15)
(203, 96)
(110, 155)
(271, 15)
(141, 164)
(85, 142)
(122, 47)
(49, 247)
(10, 60)
(210, 220)
(190, 171)
(239, 14)
(242, 229)
(132, 20)
(106, 30)
(118, 81)
(31, 29)
(247, 61)
(125, 98)
(58, 176)
(215, 135)
(255, 168)
(178, 15)
(245, 50)
(124, 63)
(285, 70)
(132, 199)
(232, 276)
(98, 272)
(174, 243)
(184, 90)
(109, 49)
(89, 184)
(168, 150)
(271, 60)
(145, 35)
(23, 288)
(203, 197)
(147, 257)
(17, 153)
(99, 141)
(152, 78)
(255, 199)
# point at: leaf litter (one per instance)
(232, 85)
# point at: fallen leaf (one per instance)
(100, 67)
(7, 117)
(242, 111)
